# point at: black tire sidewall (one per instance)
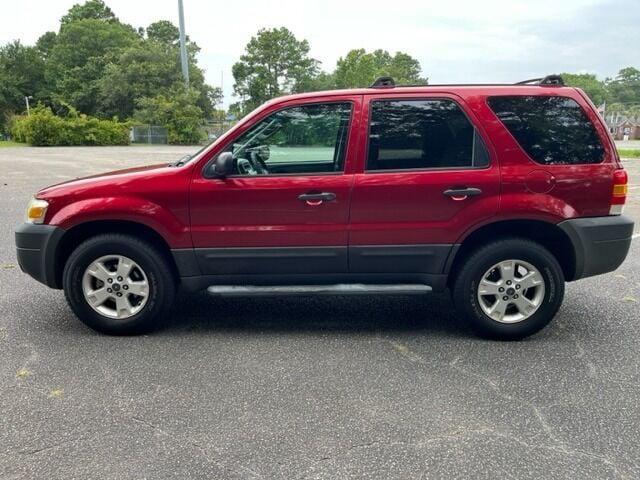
(466, 288)
(161, 286)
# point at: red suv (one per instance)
(500, 193)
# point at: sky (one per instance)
(456, 41)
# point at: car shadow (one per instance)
(202, 312)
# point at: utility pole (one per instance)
(183, 46)
(26, 99)
(222, 88)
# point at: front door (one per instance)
(285, 209)
(428, 176)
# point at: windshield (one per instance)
(187, 158)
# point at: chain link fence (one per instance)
(149, 134)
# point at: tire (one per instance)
(474, 305)
(150, 276)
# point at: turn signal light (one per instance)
(619, 193)
(36, 210)
(620, 190)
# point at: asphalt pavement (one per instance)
(330, 387)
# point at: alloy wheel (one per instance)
(115, 286)
(511, 291)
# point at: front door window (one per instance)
(305, 139)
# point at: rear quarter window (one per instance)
(552, 130)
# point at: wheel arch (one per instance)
(83, 231)
(547, 234)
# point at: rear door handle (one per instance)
(317, 198)
(462, 193)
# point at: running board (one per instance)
(340, 289)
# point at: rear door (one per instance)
(428, 176)
(285, 209)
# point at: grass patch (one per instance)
(629, 153)
(9, 143)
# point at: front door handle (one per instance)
(462, 193)
(317, 198)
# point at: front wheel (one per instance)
(509, 289)
(118, 284)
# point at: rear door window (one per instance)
(422, 134)
(551, 130)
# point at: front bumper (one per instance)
(36, 249)
(600, 243)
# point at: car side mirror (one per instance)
(223, 166)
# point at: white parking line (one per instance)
(633, 237)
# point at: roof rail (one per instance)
(548, 81)
(384, 82)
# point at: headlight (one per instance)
(36, 210)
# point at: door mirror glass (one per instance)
(223, 166)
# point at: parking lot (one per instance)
(329, 387)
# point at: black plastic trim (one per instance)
(450, 258)
(368, 264)
(548, 81)
(271, 260)
(36, 251)
(186, 262)
(398, 258)
(383, 82)
(600, 243)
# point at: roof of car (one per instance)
(387, 86)
(468, 89)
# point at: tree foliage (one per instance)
(176, 111)
(360, 69)
(625, 87)
(98, 66)
(45, 44)
(588, 82)
(90, 10)
(21, 75)
(140, 71)
(79, 57)
(164, 33)
(275, 62)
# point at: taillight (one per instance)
(619, 194)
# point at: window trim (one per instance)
(524, 151)
(352, 103)
(366, 170)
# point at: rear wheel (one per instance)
(509, 289)
(118, 284)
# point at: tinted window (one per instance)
(411, 134)
(552, 130)
(303, 139)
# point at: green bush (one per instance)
(43, 128)
(177, 112)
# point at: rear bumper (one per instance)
(600, 243)
(36, 246)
